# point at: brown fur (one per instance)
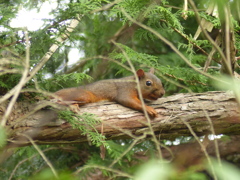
(123, 91)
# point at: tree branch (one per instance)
(175, 111)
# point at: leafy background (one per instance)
(93, 37)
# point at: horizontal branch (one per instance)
(121, 122)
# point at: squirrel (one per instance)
(123, 91)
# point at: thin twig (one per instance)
(228, 68)
(128, 149)
(20, 85)
(42, 154)
(27, 159)
(202, 147)
(215, 140)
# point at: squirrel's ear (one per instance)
(140, 73)
(151, 70)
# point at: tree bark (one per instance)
(175, 113)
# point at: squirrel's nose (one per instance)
(162, 92)
(161, 95)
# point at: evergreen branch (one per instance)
(28, 159)
(60, 40)
(16, 91)
(172, 47)
(42, 154)
(13, 43)
(175, 83)
(186, 37)
(180, 79)
(227, 65)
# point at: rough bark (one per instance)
(121, 122)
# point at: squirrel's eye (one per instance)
(148, 83)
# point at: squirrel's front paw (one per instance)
(75, 108)
(151, 111)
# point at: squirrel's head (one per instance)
(151, 86)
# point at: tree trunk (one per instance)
(175, 113)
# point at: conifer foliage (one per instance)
(190, 44)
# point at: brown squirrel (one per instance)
(123, 91)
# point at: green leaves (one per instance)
(64, 81)
(85, 123)
(135, 57)
(115, 150)
(77, 77)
